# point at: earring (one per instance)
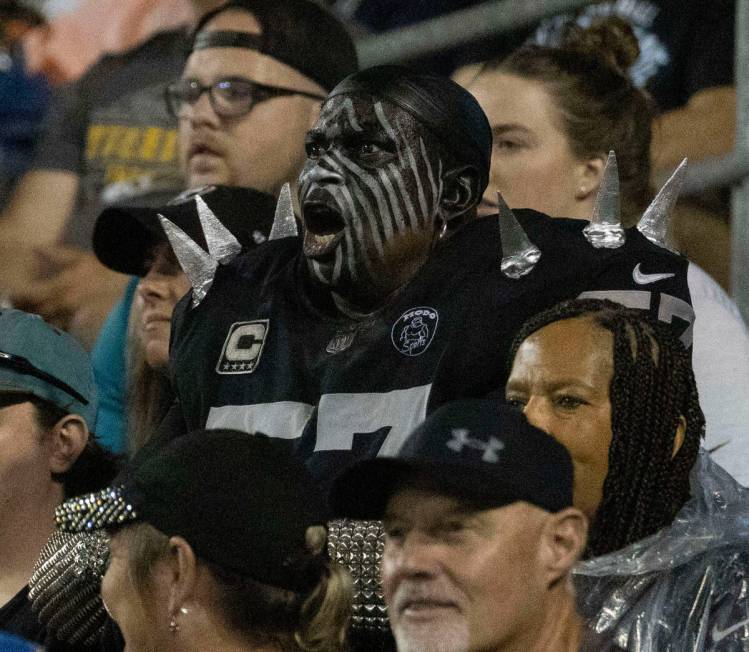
(443, 229)
(173, 624)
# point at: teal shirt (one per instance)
(108, 357)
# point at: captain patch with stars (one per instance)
(413, 332)
(243, 347)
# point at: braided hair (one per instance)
(652, 387)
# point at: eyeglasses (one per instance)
(230, 98)
(23, 366)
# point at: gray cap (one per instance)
(39, 359)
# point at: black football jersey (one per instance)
(264, 353)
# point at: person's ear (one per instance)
(183, 574)
(67, 439)
(679, 435)
(563, 540)
(588, 175)
(460, 192)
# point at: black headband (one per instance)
(303, 34)
(227, 39)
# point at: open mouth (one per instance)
(323, 228)
(322, 219)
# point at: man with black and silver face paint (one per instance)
(395, 300)
(380, 189)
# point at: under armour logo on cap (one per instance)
(491, 448)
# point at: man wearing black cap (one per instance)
(481, 535)
(252, 87)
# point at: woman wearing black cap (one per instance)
(202, 560)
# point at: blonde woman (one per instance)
(217, 544)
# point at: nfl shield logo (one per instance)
(413, 332)
(243, 347)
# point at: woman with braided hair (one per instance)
(668, 559)
(594, 355)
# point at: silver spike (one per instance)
(655, 223)
(198, 266)
(519, 254)
(605, 229)
(284, 222)
(222, 245)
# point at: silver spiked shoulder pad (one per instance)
(605, 230)
(222, 245)
(199, 267)
(519, 254)
(65, 587)
(358, 547)
(284, 222)
(655, 223)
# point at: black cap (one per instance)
(302, 34)
(242, 501)
(124, 237)
(482, 451)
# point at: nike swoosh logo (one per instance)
(644, 279)
(720, 634)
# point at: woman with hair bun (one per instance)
(218, 543)
(555, 114)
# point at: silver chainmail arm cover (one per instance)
(358, 547)
(66, 582)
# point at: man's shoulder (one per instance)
(158, 57)
(266, 259)
(245, 276)
(161, 44)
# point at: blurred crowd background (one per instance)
(76, 137)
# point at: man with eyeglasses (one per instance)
(47, 451)
(252, 87)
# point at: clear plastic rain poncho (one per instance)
(684, 589)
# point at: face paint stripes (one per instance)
(369, 213)
(436, 193)
(419, 188)
(348, 105)
(318, 273)
(396, 174)
(368, 180)
(382, 195)
(393, 197)
(382, 118)
(344, 193)
(348, 243)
